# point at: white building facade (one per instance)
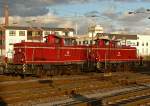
(13, 34)
(94, 30)
(142, 45)
(58, 31)
(89, 38)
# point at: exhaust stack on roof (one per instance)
(6, 13)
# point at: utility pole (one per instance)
(6, 13)
(76, 25)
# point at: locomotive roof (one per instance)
(58, 36)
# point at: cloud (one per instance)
(126, 0)
(133, 19)
(34, 7)
(92, 14)
(145, 0)
(28, 10)
(41, 7)
(48, 20)
(127, 22)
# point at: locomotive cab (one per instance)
(54, 40)
(62, 41)
(103, 42)
(69, 41)
(107, 43)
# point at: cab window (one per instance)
(69, 42)
(106, 42)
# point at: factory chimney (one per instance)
(6, 13)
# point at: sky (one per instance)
(110, 14)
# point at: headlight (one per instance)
(19, 50)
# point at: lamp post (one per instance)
(140, 12)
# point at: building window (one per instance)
(83, 42)
(129, 42)
(79, 42)
(143, 50)
(2, 52)
(12, 33)
(2, 42)
(47, 32)
(36, 33)
(91, 42)
(146, 51)
(138, 51)
(29, 33)
(2, 33)
(143, 44)
(21, 33)
(66, 33)
(147, 44)
(87, 42)
(57, 33)
(10, 43)
(133, 44)
(137, 43)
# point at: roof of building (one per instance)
(81, 36)
(119, 36)
(36, 28)
(58, 29)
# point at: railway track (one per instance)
(128, 97)
(141, 102)
(52, 90)
(8, 79)
(14, 92)
(120, 97)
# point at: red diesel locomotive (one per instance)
(108, 54)
(62, 55)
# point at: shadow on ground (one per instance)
(144, 70)
(45, 81)
(82, 99)
(50, 82)
(2, 102)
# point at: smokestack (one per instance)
(6, 13)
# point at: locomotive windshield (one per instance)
(106, 42)
(69, 41)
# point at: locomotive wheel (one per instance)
(2, 69)
(78, 69)
(100, 67)
(43, 73)
(50, 73)
(69, 70)
(39, 72)
(118, 67)
(54, 71)
(126, 67)
(60, 70)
